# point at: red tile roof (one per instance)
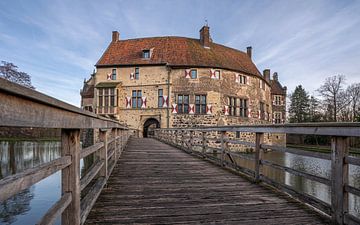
(176, 51)
(277, 88)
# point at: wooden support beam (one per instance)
(339, 178)
(70, 176)
(103, 135)
(203, 142)
(223, 147)
(259, 138)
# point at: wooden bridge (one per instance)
(180, 176)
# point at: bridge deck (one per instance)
(154, 183)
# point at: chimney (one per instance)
(275, 76)
(266, 74)
(249, 51)
(115, 36)
(205, 36)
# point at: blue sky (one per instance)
(58, 42)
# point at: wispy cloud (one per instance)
(59, 41)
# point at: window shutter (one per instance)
(237, 78)
(226, 110)
(187, 73)
(109, 76)
(165, 101)
(191, 109)
(209, 109)
(212, 74)
(128, 102)
(132, 76)
(143, 102)
(174, 108)
(248, 80)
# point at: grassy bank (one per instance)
(323, 149)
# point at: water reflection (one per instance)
(310, 165)
(16, 157)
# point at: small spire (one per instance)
(206, 22)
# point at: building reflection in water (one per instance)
(16, 157)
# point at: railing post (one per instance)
(339, 178)
(259, 138)
(203, 150)
(223, 147)
(114, 131)
(191, 140)
(104, 152)
(70, 176)
(183, 133)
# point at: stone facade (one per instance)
(141, 87)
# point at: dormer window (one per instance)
(146, 54)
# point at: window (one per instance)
(183, 103)
(243, 107)
(113, 74)
(193, 74)
(238, 106)
(146, 54)
(160, 98)
(137, 73)
(217, 74)
(200, 104)
(237, 134)
(107, 100)
(277, 116)
(243, 79)
(232, 106)
(136, 99)
(277, 100)
(262, 110)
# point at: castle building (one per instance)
(181, 82)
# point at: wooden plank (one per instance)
(297, 172)
(330, 129)
(308, 199)
(351, 219)
(89, 200)
(352, 190)
(103, 135)
(56, 210)
(16, 100)
(241, 142)
(259, 139)
(297, 151)
(91, 149)
(70, 176)
(339, 178)
(12, 185)
(92, 172)
(352, 160)
(154, 183)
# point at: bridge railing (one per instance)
(23, 107)
(219, 144)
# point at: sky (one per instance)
(58, 42)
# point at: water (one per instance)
(310, 165)
(30, 205)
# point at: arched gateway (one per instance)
(149, 126)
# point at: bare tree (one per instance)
(353, 92)
(9, 72)
(331, 91)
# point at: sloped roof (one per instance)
(276, 88)
(176, 51)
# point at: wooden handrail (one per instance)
(339, 157)
(23, 107)
(12, 185)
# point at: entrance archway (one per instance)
(149, 126)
